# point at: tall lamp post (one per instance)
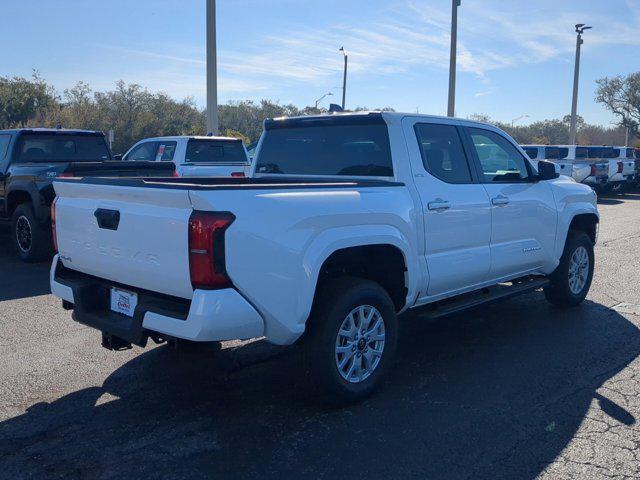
(344, 76)
(580, 28)
(451, 107)
(513, 122)
(322, 98)
(212, 74)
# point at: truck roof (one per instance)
(194, 137)
(67, 131)
(345, 116)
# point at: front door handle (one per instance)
(438, 204)
(500, 200)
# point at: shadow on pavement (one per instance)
(19, 279)
(494, 394)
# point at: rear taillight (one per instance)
(53, 225)
(620, 167)
(237, 174)
(175, 174)
(594, 170)
(206, 249)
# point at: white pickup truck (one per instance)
(347, 221)
(194, 156)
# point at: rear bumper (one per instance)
(596, 180)
(210, 315)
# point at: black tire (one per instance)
(31, 240)
(618, 188)
(558, 292)
(335, 302)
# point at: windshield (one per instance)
(215, 151)
(346, 147)
(62, 148)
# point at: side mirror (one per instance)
(118, 156)
(547, 170)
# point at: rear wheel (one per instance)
(31, 240)
(351, 340)
(618, 188)
(571, 280)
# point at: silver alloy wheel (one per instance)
(360, 343)
(578, 270)
(24, 236)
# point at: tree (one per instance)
(621, 95)
(21, 100)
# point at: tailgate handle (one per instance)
(107, 219)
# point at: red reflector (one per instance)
(620, 167)
(65, 175)
(206, 249)
(175, 174)
(593, 170)
(53, 225)
(237, 174)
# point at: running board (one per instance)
(481, 297)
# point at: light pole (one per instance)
(344, 76)
(322, 98)
(212, 73)
(513, 122)
(580, 28)
(451, 107)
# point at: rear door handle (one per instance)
(107, 219)
(438, 204)
(500, 200)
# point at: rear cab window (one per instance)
(334, 146)
(47, 147)
(215, 151)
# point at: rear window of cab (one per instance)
(326, 147)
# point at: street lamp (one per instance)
(580, 28)
(322, 98)
(344, 76)
(513, 122)
(212, 74)
(451, 107)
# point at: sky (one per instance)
(515, 57)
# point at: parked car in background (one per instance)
(588, 167)
(194, 156)
(346, 221)
(30, 159)
(623, 162)
(550, 153)
(636, 153)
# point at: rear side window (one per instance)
(145, 152)
(62, 148)
(563, 152)
(215, 151)
(500, 160)
(551, 153)
(629, 152)
(442, 152)
(4, 145)
(166, 150)
(532, 152)
(323, 148)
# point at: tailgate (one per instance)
(210, 169)
(130, 235)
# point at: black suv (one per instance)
(31, 159)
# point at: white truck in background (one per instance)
(345, 222)
(622, 168)
(194, 156)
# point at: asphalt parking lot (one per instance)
(519, 390)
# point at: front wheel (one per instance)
(571, 280)
(33, 242)
(351, 340)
